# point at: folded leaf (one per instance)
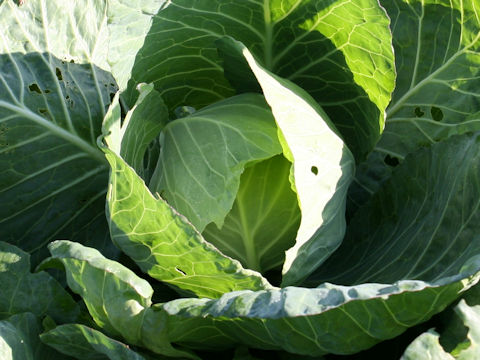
(338, 50)
(37, 293)
(54, 87)
(115, 297)
(164, 244)
(323, 167)
(131, 136)
(328, 319)
(264, 219)
(429, 234)
(19, 339)
(203, 155)
(84, 343)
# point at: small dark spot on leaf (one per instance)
(112, 95)
(67, 97)
(106, 85)
(47, 91)
(314, 170)
(391, 160)
(418, 112)
(43, 111)
(180, 271)
(34, 87)
(72, 61)
(58, 72)
(437, 114)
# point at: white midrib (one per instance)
(248, 241)
(56, 130)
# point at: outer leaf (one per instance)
(426, 235)
(115, 297)
(264, 219)
(331, 318)
(203, 155)
(437, 46)
(297, 40)
(85, 343)
(142, 124)
(322, 169)
(164, 244)
(426, 346)
(428, 343)
(54, 87)
(19, 339)
(37, 293)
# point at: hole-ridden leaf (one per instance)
(437, 52)
(437, 113)
(203, 155)
(161, 241)
(306, 135)
(338, 50)
(51, 160)
(391, 161)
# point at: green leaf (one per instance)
(338, 50)
(115, 297)
(54, 88)
(264, 219)
(328, 319)
(164, 244)
(429, 234)
(85, 343)
(323, 167)
(125, 41)
(38, 293)
(19, 339)
(428, 343)
(203, 155)
(131, 136)
(437, 47)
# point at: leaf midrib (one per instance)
(56, 130)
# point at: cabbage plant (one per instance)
(238, 179)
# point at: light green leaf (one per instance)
(203, 155)
(323, 167)
(164, 244)
(328, 319)
(38, 293)
(428, 343)
(128, 23)
(426, 347)
(85, 343)
(131, 136)
(264, 219)
(115, 297)
(54, 88)
(429, 234)
(338, 50)
(19, 340)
